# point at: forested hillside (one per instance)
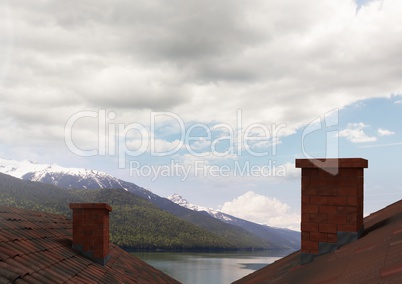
(135, 222)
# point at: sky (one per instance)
(213, 100)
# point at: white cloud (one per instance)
(382, 145)
(398, 102)
(203, 60)
(263, 210)
(384, 132)
(200, 144)
(374, 3)
(355, 133)
(162, 147)
(291, 170)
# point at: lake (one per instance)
(219, 268)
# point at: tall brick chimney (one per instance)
(332, 204)
(91, 230)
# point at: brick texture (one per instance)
(91, 230)
(331, 203)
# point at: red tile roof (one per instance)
(35, 247)
(374, 258)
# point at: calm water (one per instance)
(211, 268)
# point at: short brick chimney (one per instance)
(91, 230)
(332, 204)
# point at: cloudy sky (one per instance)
(210, 99)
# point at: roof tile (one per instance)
(391, 270)
(21, 281)
(8, 274)
(20, 267)
(37, 278)
(7, 250)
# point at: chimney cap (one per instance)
(91, 206)
(332, 163)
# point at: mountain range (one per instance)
(213, 221)
(284, 236)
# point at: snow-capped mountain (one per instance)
(284, 236)
(66, 177)
(20, 169)
(180, 200)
